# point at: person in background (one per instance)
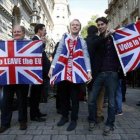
(92, 32)
(35, 114)
(1, 96)
(119, 93)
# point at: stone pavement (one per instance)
(127, 126)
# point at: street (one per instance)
(127, 126)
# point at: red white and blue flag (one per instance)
(127, 43)
(70, 65)
(20, 62)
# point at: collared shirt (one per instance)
(37, 36)
(111, 61)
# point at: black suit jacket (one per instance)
(45, 60)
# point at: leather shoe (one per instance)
(23, 126)
(42, 115)
(62, 121)
(3, 128)
(72, 125)
(38, 119)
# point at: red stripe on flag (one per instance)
(138, 26)
(12, 73)
(135, 63)
(1, 71)
(80, 69)
(126, 47)
(78, 53)
(29, 46)
(52, 82)
(124, 33)
(63, 59)
(33, 75)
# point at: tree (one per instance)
(91, 22)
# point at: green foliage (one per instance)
(91, 22)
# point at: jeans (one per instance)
(105, 97)
(1, 97)
(123, 85)
(110, 81)
(100, 102)
(119, 96)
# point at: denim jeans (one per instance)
(123, 85)
(110, 81)
(119, 96)
(1, 97)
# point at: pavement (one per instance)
(127, 126)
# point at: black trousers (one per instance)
(34, 101)
(73, 89)
(7, 106)
(59, 87)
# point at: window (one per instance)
(126, 8)
(136, 18)
(57, 35)
(118, 13)
(1, 1)
(135, 3)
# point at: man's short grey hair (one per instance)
(22, 28)
(76, 20)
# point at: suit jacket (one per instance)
(56, 46)
(85, 52)
(45, 60)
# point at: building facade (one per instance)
(54, 14)
(14, 12)
(61, 17)
(122, 12)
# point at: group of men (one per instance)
(101, 63)
(21, 90)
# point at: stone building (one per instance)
(61, 19)
(14, 12)
(53, 13)
(122, 12)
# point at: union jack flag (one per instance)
(74, 72)
(20, 62)
(127, 43)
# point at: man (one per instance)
(107, 75)
(21, 92)
(72, 41)
(92, 40)
(1, 96)
(35, 114)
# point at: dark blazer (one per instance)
(96, 49)
(56, 46)
(45, 60)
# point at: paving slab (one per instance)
(127, 126)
